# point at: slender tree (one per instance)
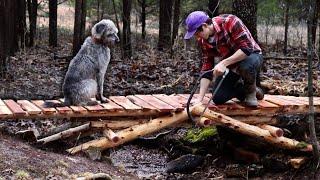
(165, 24)
(286, 26)
(310, 54)
(213, 7)
(53, 6)
(79, 25)
(246, 10)
(143, 17)
(126, 32)
(175, 24)
(32, 9)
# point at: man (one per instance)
(226, 38)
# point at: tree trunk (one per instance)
(32, 9)
(9, 32)
(79, 25)
(175, 27)
(246, 10)
(213, 8)
(22, 22)
(314, 25)
(165, 25)
(286, 26)
(53, 23)
(126, 35)
(310, 53)
(143, 18)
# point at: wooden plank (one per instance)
(45, 110)
(281, 102)
(111, 106)
(169, 100)
(4, 110)
(76, 109)
(316, 102)
(180, 99)
(205, 98)
(15, 107)
(95, 108)
(63, 109)
(29, 107)
(124, 102)
(162, 106)
(141, 103)
(266, 104)
(291, 99)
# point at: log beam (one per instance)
(134, 132)
(248, 129)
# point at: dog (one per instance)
(85, 76)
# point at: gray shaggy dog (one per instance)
(85, 76)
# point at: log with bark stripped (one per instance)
(134, 132)
(250, 130)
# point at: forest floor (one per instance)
(37, 73)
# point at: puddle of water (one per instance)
(139, 160)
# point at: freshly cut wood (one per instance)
(125, 102)
(164, 107)
(65, 134)
(297, 162)
(169, 100)
(116, 124)
(274, 131)
(134, 132)
(45, 110)
(250, 130)
(111, 135)
(254, 120)
(4, 110)
(205, 122)
(144, 105)
(29, 107)
(15, 108)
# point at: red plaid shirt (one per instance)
(230, 35)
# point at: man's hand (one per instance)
(219, 69)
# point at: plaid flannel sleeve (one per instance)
(207, 59)
(241, 36)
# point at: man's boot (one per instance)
(251, 96)
(259, 93)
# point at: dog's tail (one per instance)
(50, 104)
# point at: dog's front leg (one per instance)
(100, 79)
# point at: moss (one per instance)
(302, 145)
(199, 135)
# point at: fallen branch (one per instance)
(64, 134)
(250, 130)
(134, 132)
(274, 131)
(111, 135)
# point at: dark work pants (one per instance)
(238, 85)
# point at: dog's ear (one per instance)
(98, 30)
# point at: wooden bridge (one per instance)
(159, 111)
(152, 105)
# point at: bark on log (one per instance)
(134, 132)
(111, 135)
(64, 134)
(248, 129)
(274, 131)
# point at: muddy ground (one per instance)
(37, 73)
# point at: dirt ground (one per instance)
(37, 73)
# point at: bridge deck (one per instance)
(151, 105)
